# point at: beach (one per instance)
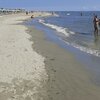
(22, 70)
(32, 67)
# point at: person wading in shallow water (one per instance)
(96, 24)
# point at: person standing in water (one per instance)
(96, 25)
(81, 14)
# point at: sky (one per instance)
(60, 5)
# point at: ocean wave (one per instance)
(67, 33)
(85, 49)
(59, 29)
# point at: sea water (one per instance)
(76, 29)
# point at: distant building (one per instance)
(5, 10)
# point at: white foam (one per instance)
(67, 33)
(59, 29)
(85, 49)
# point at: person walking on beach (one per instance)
(96, 25)
(26, 12)
(32, 16)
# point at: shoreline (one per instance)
(68, 78)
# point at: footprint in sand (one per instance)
(52, 59)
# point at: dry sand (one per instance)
(22, 70)
(67, 78)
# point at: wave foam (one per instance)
(85, 49)
(67, 33)
(59, 29)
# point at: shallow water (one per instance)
(75, 30)
(85, 47)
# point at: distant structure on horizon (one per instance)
(7, 11)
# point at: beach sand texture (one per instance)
(22, 70)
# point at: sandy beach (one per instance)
(22, 70)
(34, 68)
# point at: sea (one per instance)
(75, 28)
(74, 31)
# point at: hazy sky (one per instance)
(52, 4)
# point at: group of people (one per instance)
(96, 23)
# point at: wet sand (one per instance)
(67, 77)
